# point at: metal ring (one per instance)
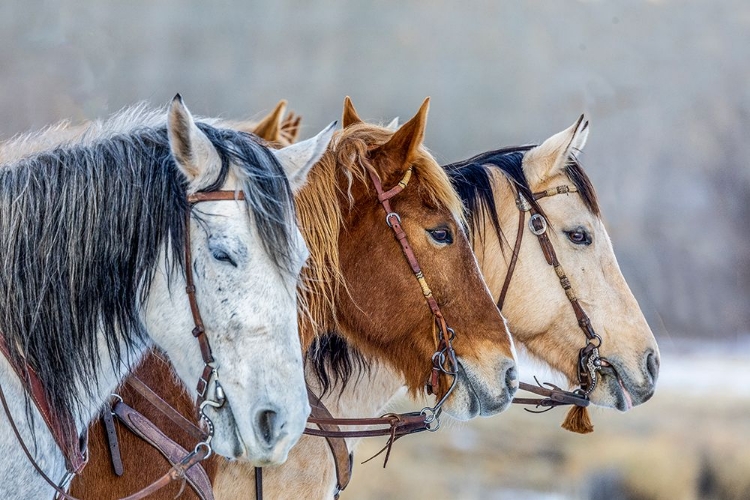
(388, 218)
(440, 355)
(430, 427)
(116, 396)
(452, 335)
(534, 230)
(597, 338)
(429, 414)
(208, 447)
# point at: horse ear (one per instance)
(393, 125)
(350, 116)
(298, 159)
(269, 128)
(191, 149)
(405, 142)
(550, 157)
(290, 127)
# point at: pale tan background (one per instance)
(665, 84)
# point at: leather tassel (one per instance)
(578, 420)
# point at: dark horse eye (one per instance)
(222, 256)
(579, 236)
(441, 235)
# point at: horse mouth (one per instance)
(474, 403)
(624, 398)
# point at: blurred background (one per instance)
(666, 86)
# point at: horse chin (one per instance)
(235, 442)
(226, 440)
(616, 389)
(473, 398)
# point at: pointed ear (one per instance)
(551, 157)
(192, 151)
(350, 116)
(270, 126)
(290, 127)
(393, 125)
(405, 142)
(298, 159)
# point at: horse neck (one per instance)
(109, 377)
(24, 480)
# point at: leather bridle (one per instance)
(589, 361)
(62, 426)
(444, 363)
(445, 335)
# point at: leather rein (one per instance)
(62, 427)
(589, 361)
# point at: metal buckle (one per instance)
(542, 221)
(388, 218)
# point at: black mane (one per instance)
(81, 228)
(333, 362)
(472, 180)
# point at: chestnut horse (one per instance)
(536, 306)
(358, 283)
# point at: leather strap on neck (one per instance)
(142, 427)
(342, 459)
(62, 427)
(513, 260)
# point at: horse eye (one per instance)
(222, 256)
(441, 235)
(579, 236)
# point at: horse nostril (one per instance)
(267, 425)
(511, 379)
(652, 366)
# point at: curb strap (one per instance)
(589, 361)
(444, 352)
(142, 427)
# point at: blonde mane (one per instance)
(321, 215)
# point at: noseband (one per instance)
(589, 360)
